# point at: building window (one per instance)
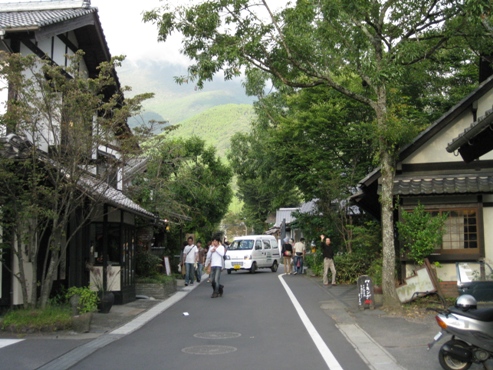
(461, 231)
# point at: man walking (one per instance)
(299, 255)
(190, 256)
(215, 259)
(200, 261)
(328, 253)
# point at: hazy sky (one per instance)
(126, 34)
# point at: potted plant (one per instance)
(84, 302)
(105, 294)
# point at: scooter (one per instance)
(472, 334)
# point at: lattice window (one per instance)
(461, 230)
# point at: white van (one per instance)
(252, 252)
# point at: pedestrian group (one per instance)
(211, 259)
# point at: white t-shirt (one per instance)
(216, 257)
(190, 252)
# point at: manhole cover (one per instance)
(217, 335)
(208, 350)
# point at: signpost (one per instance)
(366, 296)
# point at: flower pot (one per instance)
(106, 301)
(82, 323)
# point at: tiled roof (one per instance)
(444, 185)
(470, 132)
(13, 146)
(31, 15)
(309, 207)
(111, 196)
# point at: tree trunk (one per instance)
(388, 246)
(387, 155)
(47, 283)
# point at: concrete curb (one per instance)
(78, 354)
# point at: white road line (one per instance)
(8, 342)
(327, 355)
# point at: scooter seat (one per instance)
(481, 314)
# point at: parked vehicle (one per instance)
(472, 335)
(476, 279)
(252, 252)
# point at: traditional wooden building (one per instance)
(431, 171)
(55, 30)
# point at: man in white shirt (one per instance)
(299, 254)
(215, 259)
(190, 256)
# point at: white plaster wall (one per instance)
(485, 103)
(59, 52)
(447, 272)
(435, 150)
(48, 135)
(488, 234)
(3, 91)
(112, 275)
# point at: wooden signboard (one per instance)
(366, 296)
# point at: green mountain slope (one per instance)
(217, 125)
(172, 102)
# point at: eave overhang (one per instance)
(476, 140)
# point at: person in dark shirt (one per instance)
(287, 253)
(328, 253)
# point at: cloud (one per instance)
(126, 33)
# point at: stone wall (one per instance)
(156, 291)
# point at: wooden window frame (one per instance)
(463, 254)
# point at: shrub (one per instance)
(146, 264)
(315, 262)
(88, 299)
(349, 266)
(375, 271)
(421, 232)
(156, 279)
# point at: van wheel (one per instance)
(229, 271)
(253, 268)
(274, 266)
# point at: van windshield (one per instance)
(241, 245)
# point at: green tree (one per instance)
(323, 43)
(185, 181)
(65, 115)
(261, 186)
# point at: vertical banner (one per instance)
(167, 266)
